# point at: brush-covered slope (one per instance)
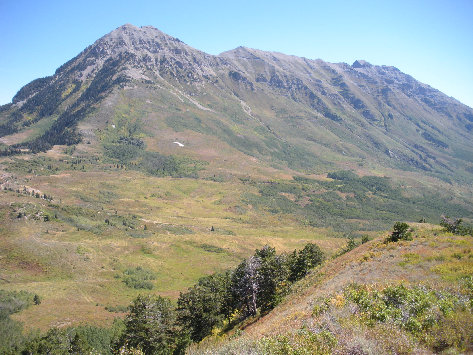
(405, 297)
(307, 115)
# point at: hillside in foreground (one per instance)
(405, 297)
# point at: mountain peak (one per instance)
(238, 52)
(131, 33)
(361, 64)
(377, 98)
(127, 26)
(145, 41)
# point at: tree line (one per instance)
(220, 300)
(154, 325)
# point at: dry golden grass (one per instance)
(386, 265)
(74, 269)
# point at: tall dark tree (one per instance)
(307, 258)
(205, 305)
(271, 275)
(151, 326)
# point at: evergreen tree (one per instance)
(151, 326)
(400, 232)
(271, 274)
(54, 342)
(79, 345)
(204, 306)
(307, 258)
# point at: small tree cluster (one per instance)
(451, 225)
(454, 225)
(139, 278)
(256, 284)
(301, 262)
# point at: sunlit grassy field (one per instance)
(73, 250)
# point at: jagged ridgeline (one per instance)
(307, 115)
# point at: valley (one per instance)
(144, 165)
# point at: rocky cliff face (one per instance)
(287, 105)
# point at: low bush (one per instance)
(303, 341)
(436, 319)
(454, 225)
(139, 278)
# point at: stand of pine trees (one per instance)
(154, 326)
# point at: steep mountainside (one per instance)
(309, 115)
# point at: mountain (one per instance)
(143, 164)
(307, 115)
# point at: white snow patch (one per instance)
(179, 144)
(246, 108)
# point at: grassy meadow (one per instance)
(72, 225)
(74, 250)
(127, 211)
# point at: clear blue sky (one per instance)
(430, 40)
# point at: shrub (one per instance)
(400, 232)
(139, 278)
(11, 336)
(14, 301)
(36, 299)
(454, 225)
(351, 244)
(451, 225)
(303, 341)
(439, 319)
(117, 309)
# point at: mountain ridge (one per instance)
(373, 109)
